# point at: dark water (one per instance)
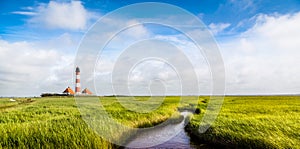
(159, 137)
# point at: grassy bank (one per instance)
(253, 122)
(56, 122)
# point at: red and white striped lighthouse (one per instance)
(77, 85)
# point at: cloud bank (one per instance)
(264, 59)
(28, 69)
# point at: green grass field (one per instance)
(56, 122)
(254, 121)
(257, 121)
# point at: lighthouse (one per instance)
(77, 81)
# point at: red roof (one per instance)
(69, 91)
(86, 91)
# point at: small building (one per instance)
(69, 91)
(86, 92)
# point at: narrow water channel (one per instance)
(160, 135)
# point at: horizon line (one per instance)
(111, 95)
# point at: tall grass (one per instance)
(55, 122)
(254, 122)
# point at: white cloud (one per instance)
(28, 70)
(280, 31)
(217, 28)
(136, 30)
(242, 4)
(28, 13)
(265, 58)
(61, 15)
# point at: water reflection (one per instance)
(147, 138)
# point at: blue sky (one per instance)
(15, 26)
(257, 40)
